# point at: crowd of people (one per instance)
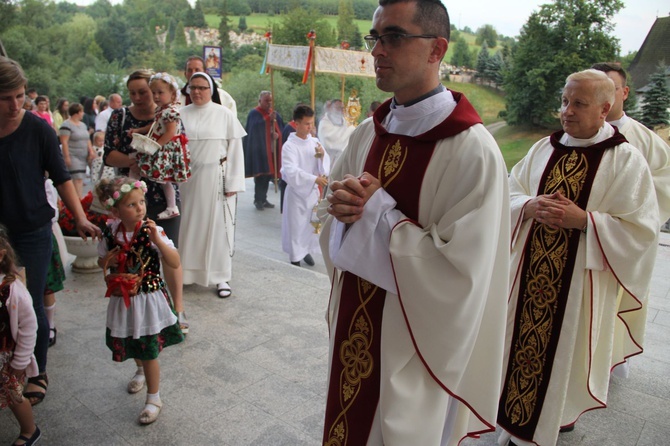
(463, 298)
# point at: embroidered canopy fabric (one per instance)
(328, 60)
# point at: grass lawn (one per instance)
(487, 101)
(261, 22)
(514, 142)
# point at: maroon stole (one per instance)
(548, 265)
(400, 163)
(269, 142)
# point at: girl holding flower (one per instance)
(140, 319)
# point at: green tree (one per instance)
(495, 69)
(8, 12)
(179, 36)
(195, 16)
(462, 56)
(488, 34)
(242, 24)
(656, 100)
(346, 28)
(364, 9)
(483, 62)
(224, 26)
(563, 37)
(295, 25)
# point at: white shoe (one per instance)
(136, 383)
(168, 214)
(150, 412)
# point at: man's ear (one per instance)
(439, 50)
(605, 110)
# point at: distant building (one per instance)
(655, 50)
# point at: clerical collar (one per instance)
(421, 117)
(439, 89)
(623, 120)
(605, 132)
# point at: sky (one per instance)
(632, 23)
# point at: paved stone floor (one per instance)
(252, 370)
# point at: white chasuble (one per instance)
(622, 225)
(441, 322)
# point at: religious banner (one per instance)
(212, 57)
(328, 60)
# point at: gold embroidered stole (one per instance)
(400, 162)
(548, 264)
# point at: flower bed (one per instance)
(66, 219)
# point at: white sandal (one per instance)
(168, 213)
(149, 414)
(224, 290)
(136, 383)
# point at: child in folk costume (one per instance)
(305, 168)
(18, 333)
(140, 320)
(170, 163)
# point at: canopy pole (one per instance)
(312, 44)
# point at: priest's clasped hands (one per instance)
(350, 195)
(555, 211)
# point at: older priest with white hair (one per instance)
(585, 223)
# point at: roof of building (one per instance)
(654, 50)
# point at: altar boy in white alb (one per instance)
(305, 167)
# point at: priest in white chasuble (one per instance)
(416, 240)
(585, 224)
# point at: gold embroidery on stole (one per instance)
(355, 353)
(548, 256)
(393, 159)
(357, 360)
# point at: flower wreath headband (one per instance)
(165, 77)
(123, 190)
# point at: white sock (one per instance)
(154, 397)
(153, 402)
(170, 195)
(140, 370)
(50, 314)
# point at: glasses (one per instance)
(392, 40)
(197, 88)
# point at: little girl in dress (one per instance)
(18, 333)
(140, 321)
(170, 163)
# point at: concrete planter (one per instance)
(86, 253)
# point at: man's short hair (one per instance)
(264, 93)
(607, 67)
(604, 86)
(302, 111)
(431, 16)
(202, 61)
